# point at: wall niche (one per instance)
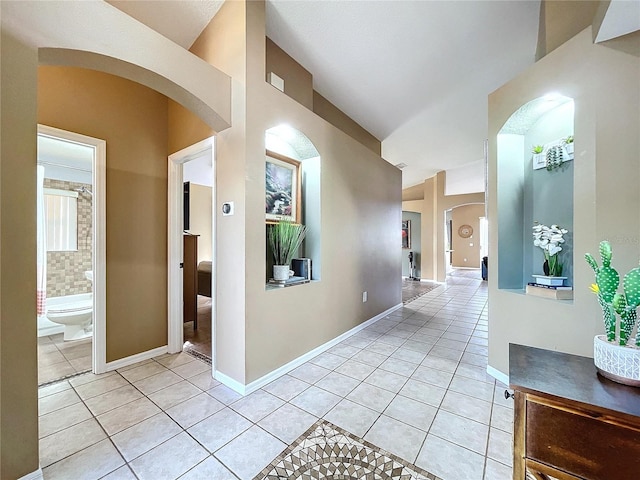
(530, 190)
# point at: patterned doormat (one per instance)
(329, 452)
(412, 289)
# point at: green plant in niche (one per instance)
(536, 149)
(285, 238)
(555, 157)
(612, 302)
(568, 140)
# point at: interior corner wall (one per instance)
(18, 326)
(200, 216)
(285, 323)
(184, 128)
(464, 253)
(222, 44)
(562, 20)
(133, 120)
(606, 176)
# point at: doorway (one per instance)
(189, 229)
(71, 254)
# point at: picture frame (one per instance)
(283, 192)
(406, 234)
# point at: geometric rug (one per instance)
(326, 451)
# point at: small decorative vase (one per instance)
(281, 273)
(550, 281)
(568, 147)
(620, 364)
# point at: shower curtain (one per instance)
(41, 262)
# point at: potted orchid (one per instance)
(550, 240)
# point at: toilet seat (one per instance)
(76, 307)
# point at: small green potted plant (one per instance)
(616, 354)
(284, 239)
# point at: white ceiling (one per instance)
(416, 74)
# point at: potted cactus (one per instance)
(616, 354)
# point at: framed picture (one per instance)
(283, 193)
(406, 234)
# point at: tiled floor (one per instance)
(58, 359)
(414, 383)
(200, 339)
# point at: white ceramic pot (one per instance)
(620, 364)
(551, 281)
(281, 272)
(568, 147)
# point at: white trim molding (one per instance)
(138, 357)
(286, 368)
(498, 375)
(99, 242)
(37, 475)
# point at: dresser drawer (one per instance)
(582, 443)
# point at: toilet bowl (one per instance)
(76, 318)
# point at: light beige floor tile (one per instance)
(89, 377)
(142, 437)
(409, 355)
(411, 412)
(118, 419)
(499, 398)
(497, 471)
(461, 431)
(60, 419)
(328, 360)
(308, 372)
(113, 399)
(439, 363)
(53, 372)
(157, 382)
(438, 378)
(174, 394)
(135, 365)
(474, 388)
(91, 463)
(370, 358)
(287, 387)
(465, 406)
(82, 364)
(250, 452)
(122, 473)
(69, 441)
(446, 352)
(224, 394)
(474, 372)
(338, 384)
(400, 367)
(53, 388)
(344, 350)
(353, 417)
(100, 386)
(57, 401)
(357, 370)
(191, 369)
(316, 401)
(76, 351)
(502, 418)
(386, 380)
(382, 348)
(423, 392)
(171, 360)
(257, 405)
(50, 358)
(500, 446)
(396, 437)
(142, 371)
(204, 381)
(195, 409)
(372, 397)
(287, 423)
(170, 459)
(208, 469)
(220, 428)
(474, 359)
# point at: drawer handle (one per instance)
(508, 395)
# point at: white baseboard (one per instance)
(37, 475)
(498, 375)
(138, 357)
(286, 368)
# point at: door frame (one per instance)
(99, 241)
(175, 225)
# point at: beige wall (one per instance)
(200, 216)
(18, 354)
(432, 205)
(298, 82)
(606, 194)
(133, 121)
(462, 248)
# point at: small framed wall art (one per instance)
(406, 234)
(283, 192)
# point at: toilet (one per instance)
(76, 317)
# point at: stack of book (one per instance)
(550, 291)
(289, 282)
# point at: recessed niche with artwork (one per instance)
(535, 187)
(292, 195)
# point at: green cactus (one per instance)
(607, 278)
(631, 286)
(627, 316)
(609, 316)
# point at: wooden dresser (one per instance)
(569, 422)
(190, 279)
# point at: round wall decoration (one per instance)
(465, 231)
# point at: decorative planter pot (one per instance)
(551, 281)
(539, 161)
(568, 147)
(281, 272)
(620, 364)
